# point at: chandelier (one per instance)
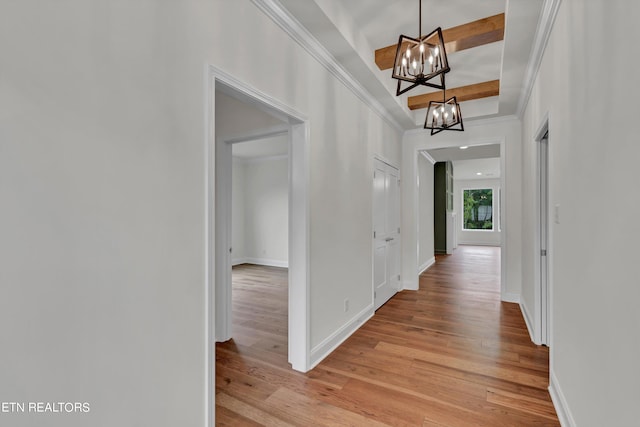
(422, 61)
(444, 115)
(419, 60)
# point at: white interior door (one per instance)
(544, 237)
(386, 232)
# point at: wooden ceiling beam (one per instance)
(462, 93)
(465, 36)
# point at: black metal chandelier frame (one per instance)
(419, 60)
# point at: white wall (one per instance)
(102, 221)
(103, 201)
(592, 104)
(477, 237)
(264, 220)
(507, 131)
(425, 214)
(238, 209)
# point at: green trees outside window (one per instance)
(478, 209)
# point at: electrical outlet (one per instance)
(346, 305)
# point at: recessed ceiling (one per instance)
(472, 152)
(476, 169)
(352, 30)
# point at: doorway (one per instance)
(218, 211)
(542, 296)
(386, 232)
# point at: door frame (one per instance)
(411, 276)
(542, 305)
(378, 158)
(299, 153)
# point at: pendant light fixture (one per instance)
(420, 60)
(444, 115)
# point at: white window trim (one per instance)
(494, 228)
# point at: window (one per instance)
(478, 209)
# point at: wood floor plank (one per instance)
(448, 354)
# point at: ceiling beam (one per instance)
(465, 36)
(462, 93)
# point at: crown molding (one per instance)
(430, 159)
(472, 123)
(543, 31)
(285, 20)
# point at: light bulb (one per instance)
(437, 51)
(404, 61)
(414, 64)
(430, 59)
(453, 109)
(408, 52)
(446, 115)
(421, 48)
(435, 113)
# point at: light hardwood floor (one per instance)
(449, 354)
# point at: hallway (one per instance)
(450, 354)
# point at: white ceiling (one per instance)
(477, 169)
(352, 30)
(273, 146)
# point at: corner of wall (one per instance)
(529, 322)
(322, 350)
(559, 402)
(424, 267)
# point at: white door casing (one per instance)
(386, 232)
(544, 237)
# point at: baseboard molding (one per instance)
(529, 322)
(559, 402)
(510, 297)
(462, 242)
(424, 267)
(239, 261)
(322, 350)
(265, 261)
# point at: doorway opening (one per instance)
(228, 126)
(467, 189)
(259, 235)
(543, 249)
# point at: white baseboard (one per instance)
(424, 267)
(239, 261)
(559, 402)
(510, 297)
(529, 322)
(462, 242)
(264, 261)
(322, 350)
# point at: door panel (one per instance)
(386, 232)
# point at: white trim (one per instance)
(471, 123)
(427, 156)
(528, 321)
(239, 261)
(386, 161)
(466, 243)
(424, 267)
(299, 219)
(542, 129)
(266, 262)
(260, 159)
(543, 31)
(285, 20)
(560, 402)
(209, 248)
(510, 297)
(322, 350)
(276, 130)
